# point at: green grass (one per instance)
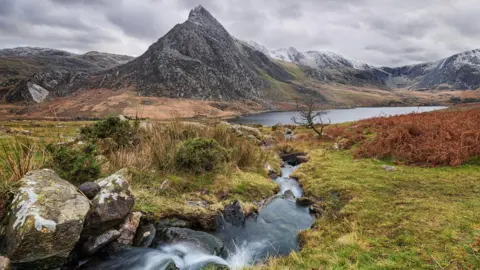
(162, 196)
(412, 218)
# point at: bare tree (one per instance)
(310, 117)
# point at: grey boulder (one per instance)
(44, 221)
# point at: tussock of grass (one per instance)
(17, 157)
(166, 196)
(411, 218)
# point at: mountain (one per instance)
(460, 71)
(316, 59)
(198, 59)
(54, 71)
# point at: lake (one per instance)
(336, 116)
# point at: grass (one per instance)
(411, 218)
(161, 196)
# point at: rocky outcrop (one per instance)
(203, 240)
(112, 205)
(45, 220)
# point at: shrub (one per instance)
(435, 138)
(75, 165)
(120, 131)
(200, 155)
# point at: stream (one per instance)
(272, 233)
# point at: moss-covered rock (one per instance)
(45, 220)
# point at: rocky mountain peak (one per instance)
(201, 16)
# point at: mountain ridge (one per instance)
(200, 59)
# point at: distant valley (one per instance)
(199, 60)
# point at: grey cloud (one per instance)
(379, 32)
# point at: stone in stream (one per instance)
(112, 205)
(233, 214)
(90, 189)
(145, 235)
(203, 240)
(95, 243)
(5, 263)
(304, 201)
(288, 194)
(44, 221)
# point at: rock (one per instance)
(389, 168)
(145, 235)
(202, 204)
(129, 228)
(90, 189)
(203, 240)
(294, 159)
(302, 159)
(122, 118)
(317, 209)
(45, 220)
(304, 201)
(5, 263)
(112, 205)
(288, 194)
(95, 243)
(233, 214)
(173, 222)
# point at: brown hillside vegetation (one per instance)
(432, 139)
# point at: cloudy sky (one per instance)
(379, 32)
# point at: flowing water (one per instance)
(336, 116)
(272, 233)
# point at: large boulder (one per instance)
(45, 221)
(208, 242)
(111, 205)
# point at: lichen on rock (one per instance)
(45, 220)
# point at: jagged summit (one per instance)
(197, 59)
(201, 16)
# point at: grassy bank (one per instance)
(377, 212)
(411, 218)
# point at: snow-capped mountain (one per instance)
(312, 59)
(459, 71)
